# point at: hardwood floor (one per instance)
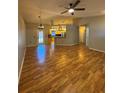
(63, 69)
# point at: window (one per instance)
(41, 37)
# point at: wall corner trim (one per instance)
(21, 65)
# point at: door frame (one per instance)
(87, 35)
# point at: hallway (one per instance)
(62, 69)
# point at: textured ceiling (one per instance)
(50, 9)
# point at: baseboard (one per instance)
(97, 50)
(31, 45)
(21, 65)
(66, 44)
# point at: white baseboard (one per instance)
(21, 65)
(97, 50)
(66, 44)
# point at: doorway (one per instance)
(84, 34)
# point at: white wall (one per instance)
(96, 31)
(71, 38)
(32, 34)
(21, 41)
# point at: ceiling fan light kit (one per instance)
(71, 10)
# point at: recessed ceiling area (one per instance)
(51, 9)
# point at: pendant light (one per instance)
(40, 27)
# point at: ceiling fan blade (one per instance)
(66, 8)
(64, 11)
(76, 3)
(78, 9)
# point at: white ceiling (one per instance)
(50, 9)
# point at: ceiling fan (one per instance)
(72, 8)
